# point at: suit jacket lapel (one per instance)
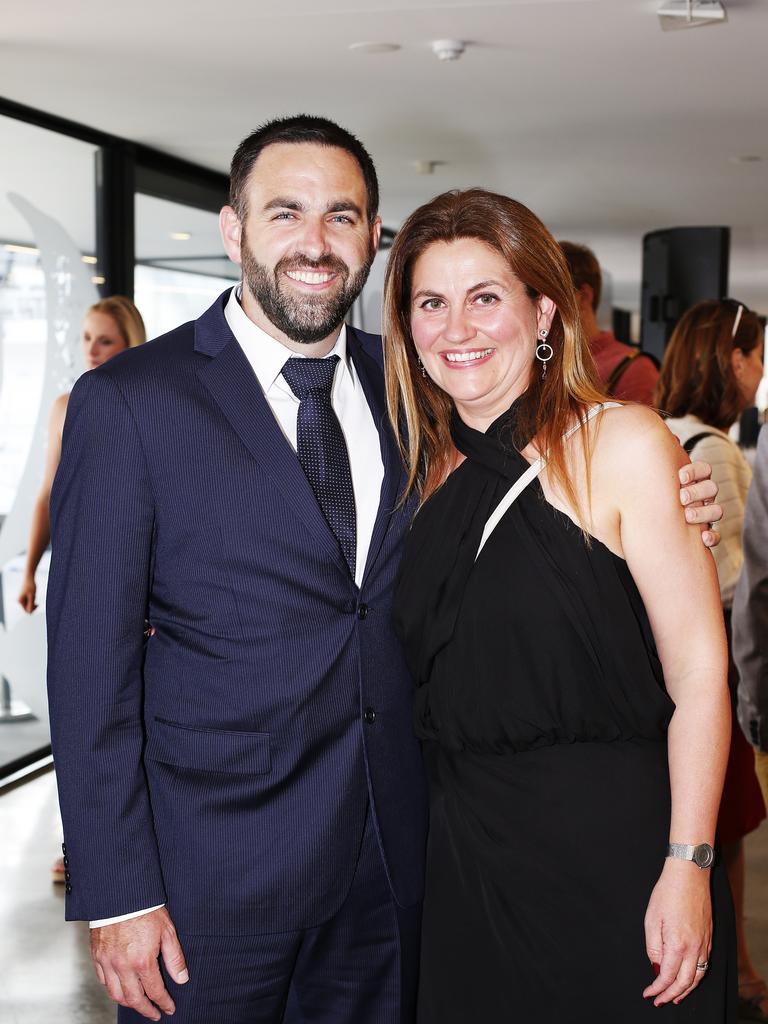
(372, 380)
(230, 379)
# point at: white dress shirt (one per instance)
(267, 358)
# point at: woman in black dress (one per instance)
(564, 629)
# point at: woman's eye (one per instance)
(486, 299)
(431, 304)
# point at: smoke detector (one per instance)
(675, 14)
(448, 49)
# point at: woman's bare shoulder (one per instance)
(635, 437)
(58, 412)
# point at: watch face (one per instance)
(703, 855)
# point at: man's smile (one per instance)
(314, 278)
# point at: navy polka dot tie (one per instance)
(322, 449)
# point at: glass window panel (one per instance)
(47, 242)
(181, 265)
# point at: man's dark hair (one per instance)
(301, 128)
(584, 269)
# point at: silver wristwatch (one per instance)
(701, 855)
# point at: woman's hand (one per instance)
(27, 594)
(678, 930)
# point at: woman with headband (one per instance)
(710, 373)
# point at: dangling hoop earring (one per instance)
(544, 351)
(421, 366)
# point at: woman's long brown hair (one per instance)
(420, 412)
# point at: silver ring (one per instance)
(702, 966)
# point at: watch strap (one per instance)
(702, 854)
(681, 851)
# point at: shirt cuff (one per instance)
(123, 917)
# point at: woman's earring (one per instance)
(421, 366)
(544, 351)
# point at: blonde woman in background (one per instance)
(110, 326)
(711, 370)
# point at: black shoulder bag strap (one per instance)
(691, 443)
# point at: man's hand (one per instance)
(698, 496)
(125, 956)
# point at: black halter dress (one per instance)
(542, 709)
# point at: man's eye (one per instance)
(283, 215)
(343, 218)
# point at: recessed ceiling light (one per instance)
(30, 249)
(747, 158)
(89, 259)
(180, 236)
(98, 280)
(374, 47)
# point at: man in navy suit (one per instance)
(243, 802)
(242, 793)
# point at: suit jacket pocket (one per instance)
(208, 750)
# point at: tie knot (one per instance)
(306, 375)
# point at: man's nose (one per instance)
(315, 239)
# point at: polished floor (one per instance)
(47, 976)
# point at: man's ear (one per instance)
(231, 232)
(586, 295)
(376, 233)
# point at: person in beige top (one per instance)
(711, 370)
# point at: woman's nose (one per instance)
(458, 327)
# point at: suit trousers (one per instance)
(360, 967)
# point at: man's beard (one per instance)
(306, 319)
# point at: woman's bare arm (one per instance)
(677, 580)
(40, 531)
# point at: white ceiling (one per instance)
(583, 109)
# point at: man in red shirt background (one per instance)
(627, 373)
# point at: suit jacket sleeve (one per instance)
(750, 608)
(102, 523)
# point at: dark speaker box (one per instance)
(681, 266)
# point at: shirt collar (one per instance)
(266, 355)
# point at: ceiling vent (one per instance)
(675, 14)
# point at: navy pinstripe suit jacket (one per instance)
(225, 765)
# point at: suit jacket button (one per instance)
(67, 888)
(64, 849)
(362, 611)
(369, 716)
